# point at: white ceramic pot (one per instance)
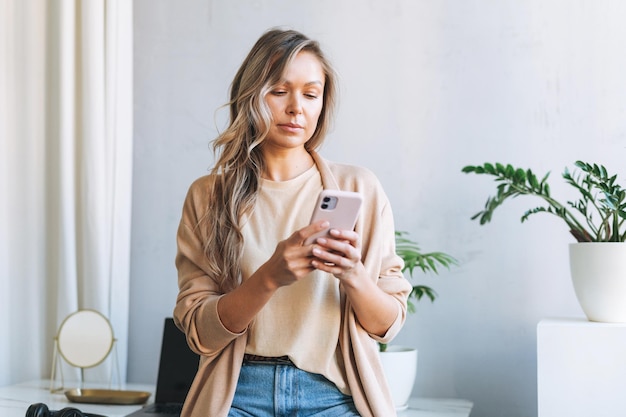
(599, 276)
(400, 366)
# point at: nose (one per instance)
(294, 106)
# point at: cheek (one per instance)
(271, 105)
(316, 112)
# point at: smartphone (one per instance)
(339, 208)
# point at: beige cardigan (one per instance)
(222, 351)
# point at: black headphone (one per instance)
(41, 410)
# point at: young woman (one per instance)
(285, 328)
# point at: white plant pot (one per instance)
(599, 276)
(400, 366)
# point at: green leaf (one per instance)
(413, 258)
(581, 165)
(490, 169)
(532, 180)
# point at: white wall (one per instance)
(427, 88)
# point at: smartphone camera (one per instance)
(329, 203)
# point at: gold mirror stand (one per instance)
(84, 340)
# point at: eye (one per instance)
(278, 92)
(311, 95)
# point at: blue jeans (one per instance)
(270, 390)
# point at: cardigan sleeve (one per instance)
(195, 312)
(364, 370)
(390, 277)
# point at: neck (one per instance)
(286, 166)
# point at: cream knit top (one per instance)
(301, 320)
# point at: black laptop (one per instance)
(177, 368)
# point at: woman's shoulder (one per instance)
(348, 168)
(203, 183)
(200, 189)
(356, 175)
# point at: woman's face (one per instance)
(296, 103)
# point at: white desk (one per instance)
(15, 399)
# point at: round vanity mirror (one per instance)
(85, 338)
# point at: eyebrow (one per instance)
(318, 82)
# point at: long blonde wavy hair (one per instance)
(240, 163)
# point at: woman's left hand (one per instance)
(339, 254)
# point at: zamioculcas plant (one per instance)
(599, 214)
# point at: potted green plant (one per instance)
(597, 220)
(426, 262)
(400, 362)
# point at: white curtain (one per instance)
(65, 174)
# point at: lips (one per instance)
(291, 128)
(290, 125)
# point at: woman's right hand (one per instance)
(291, 259)
(290, 262)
